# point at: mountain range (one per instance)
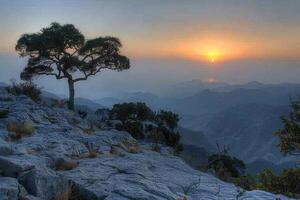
(242, 117)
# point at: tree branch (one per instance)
(92, 73)
(58, 76)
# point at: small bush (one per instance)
(20, 129)
(288, 182)
(25, 88)
(66, 165)
(159, 127)
(172, 138)
(178, 149)
(246, 181)
(226, 167)
(129, 147)
(89, 154)
(93, 154)
(135, 128)
(3, 113)
(92, 151)
(167, 119)
(132, 111)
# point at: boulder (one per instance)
(43, 183)
(14, 165)
(10, 189)
(5, 148)
(150, 175)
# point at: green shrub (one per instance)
(3, 113)
(171, 138)
(246, 181)
(162, 129)
(229, 169)
(135, 128)
(178, 149)
(288, 182)
(25, 88)
(167, 119)
(132, 111)
(224, 166)
(289, 135)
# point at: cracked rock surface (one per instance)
(32, 166)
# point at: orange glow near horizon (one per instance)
(212, 49)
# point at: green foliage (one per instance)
(171, 138)
(132, 115)
(289, 136)
(25, 88)
(132, 111)
(3, 113)
(162, 129)
(246, 181)
(167, 118)
(178, 148)
(226, 167)
(288, 182)
(135, 128)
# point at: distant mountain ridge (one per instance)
(243, 117)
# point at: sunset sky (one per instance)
(219, 37)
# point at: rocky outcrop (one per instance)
(9, 188)
(66, 157)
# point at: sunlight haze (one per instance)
(229, 41)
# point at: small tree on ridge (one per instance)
(62, 51)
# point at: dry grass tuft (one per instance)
(20, 129)
(64, 195)
(58, 103)
(129, 147)
(25, 88)
(90, 130)
(134, 149)
(66, 165)
(93, 154)
(90, 154)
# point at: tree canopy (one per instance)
(62, 51)
(289, 135)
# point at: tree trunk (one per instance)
(71, 94)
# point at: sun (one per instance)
(212, 55)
